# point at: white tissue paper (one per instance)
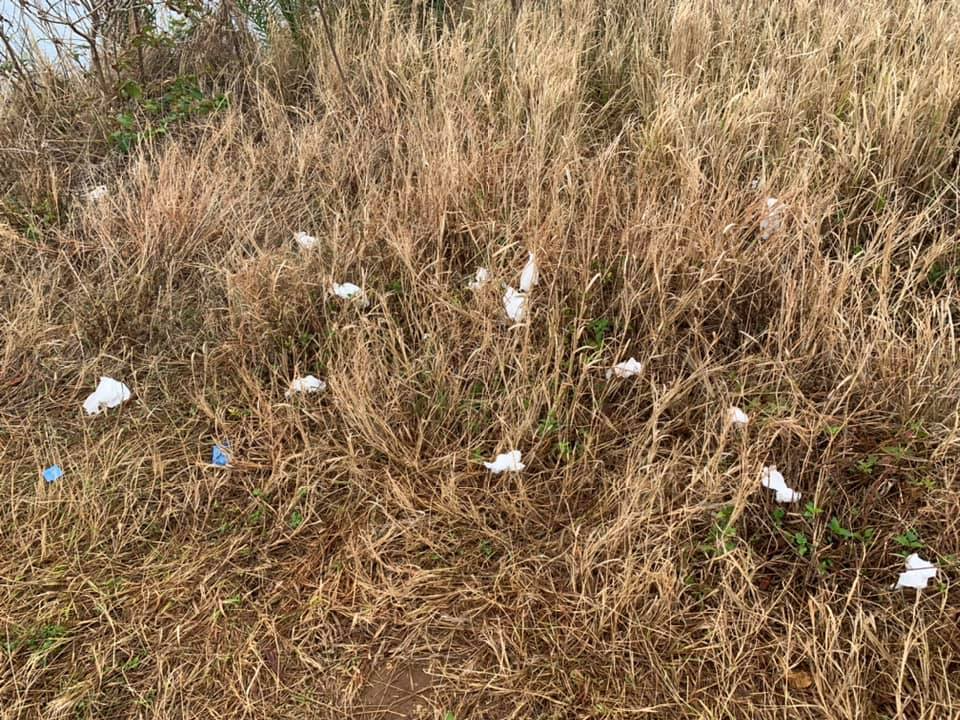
(308, 384)
(919, 573)
(772, 222)
(349, 291)
(95, 195)
(772, 479)
(628, 368)
(737, 416)
(505, 462)
(515, 304)
(109, 394)
(530, 275)
(303, 240)
(480, 279)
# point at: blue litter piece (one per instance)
(219, 456)
(52, 473)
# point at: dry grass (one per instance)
(357, 543)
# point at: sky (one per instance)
(23, 33)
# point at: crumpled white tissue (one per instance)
(480, 279)
(109, 394)
(772, 479)
(919, 573)
(772, 221)
(530, 275)
(349, 291)
(515, 304)
(304, 240)
(625, 369)
(97, 193)
(308, 384)
(505, 462)
(737, 416)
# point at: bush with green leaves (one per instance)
(148, 118)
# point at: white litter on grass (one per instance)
(109, 394)
(919, 572)
(772, 479)
(349, 291)
(505, 462)
(628, 368)
(480, 279)
(303, 240)
(530, 275)
(515, 303)
(308, 384)
(772, 221)
(737, 416)
(97, 194)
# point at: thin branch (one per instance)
(26, 81)
(333, 48)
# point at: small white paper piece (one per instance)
(772, 221)
(919, 573)
(628, 368)
(530, 275)
(96, 194)
(480, 279)
(515, 304)
(308, 384)
(303, 240)
(349, 291)
(772, 479)
(109, 394)
(505, 462)
(737, 416)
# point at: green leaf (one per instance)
(802, 544)
(937, 274)
(778, 515)
(910, 539)
(867, 465)
(122, 141)
(131, 90)
(548, 425)
(895, 451)
(565, 449)
(839, 530)
(486, 547)
(599, 327)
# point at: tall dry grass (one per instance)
(357, 560)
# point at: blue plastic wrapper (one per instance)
(219, 456)
(52, 473)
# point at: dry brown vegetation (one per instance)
(357, 560)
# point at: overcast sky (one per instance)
(22, 32)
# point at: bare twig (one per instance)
(328, 32)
